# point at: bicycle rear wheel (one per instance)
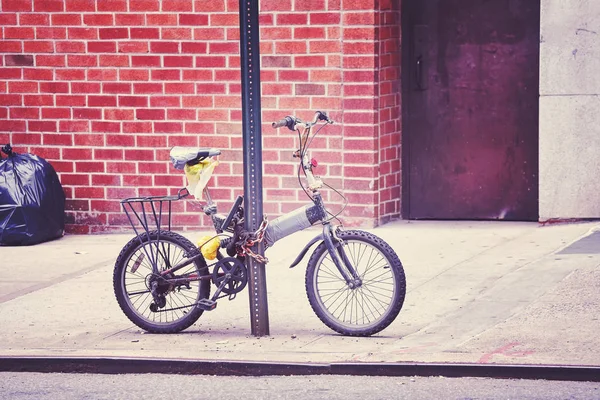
(175, 308)
(367, 308)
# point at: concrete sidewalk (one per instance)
(478, 292)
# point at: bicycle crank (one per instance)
(230, 274)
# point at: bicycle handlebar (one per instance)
(291, 121)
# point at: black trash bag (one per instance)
(32, 200)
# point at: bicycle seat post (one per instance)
(210, 209)
(209, 200)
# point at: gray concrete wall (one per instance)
(570, 109)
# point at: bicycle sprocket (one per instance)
(232, 270)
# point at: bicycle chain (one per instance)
(248, 240)
(176, 308)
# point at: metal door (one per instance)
(470, 109)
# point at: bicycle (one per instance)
(354, 280)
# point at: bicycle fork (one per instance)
(335, 247)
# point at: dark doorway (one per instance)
(470, 109)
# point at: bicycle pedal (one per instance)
(207, 304)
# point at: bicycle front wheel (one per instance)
(367, 308)
(171, 308)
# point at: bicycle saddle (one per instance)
(180, 156)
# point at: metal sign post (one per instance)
(251, 118)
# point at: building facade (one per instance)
(103, 89)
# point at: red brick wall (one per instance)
(390, 123)
(103, 89)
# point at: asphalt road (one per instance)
(30, 386)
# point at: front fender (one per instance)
(305, 250)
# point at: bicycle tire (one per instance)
(326, 288)
(174, 246)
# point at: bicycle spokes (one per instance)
(153, 297)
(369, 299)
(378, 292)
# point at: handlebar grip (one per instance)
(279, 124)
(287, 121)
(324, 117)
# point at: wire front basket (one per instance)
(151, 212)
